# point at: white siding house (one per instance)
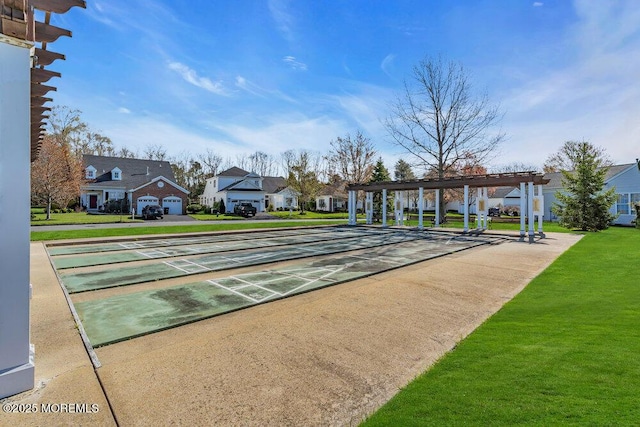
(624, 178)
(236, 185)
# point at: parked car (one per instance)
(152, 212)
(244, 209)
(494, 211)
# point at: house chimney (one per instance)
(147, 170)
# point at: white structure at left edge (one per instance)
(16, 352)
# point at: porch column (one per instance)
(369, 207)
(523, 208)
(420, 207)
(540, 210)
(17, 368)
(466, 209)
(437, 216)
(384, 207)
(530, 213)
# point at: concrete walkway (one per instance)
(328, 357)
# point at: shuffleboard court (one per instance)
(75, 248)
(107, 277)
(185, 249)
(121, 317)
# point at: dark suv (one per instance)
(152, 212)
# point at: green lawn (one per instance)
(76, 218)
(311, 215)
(169, 229)
(565, 351)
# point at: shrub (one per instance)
(221, 207)
(194, 208)
(207, 210)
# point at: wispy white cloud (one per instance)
(190, 76)
(292, 62)
(279, 10)
(594, 97)
(254, 89)
(387, 64)
(278, 133)
(124, 110)
(538, 4)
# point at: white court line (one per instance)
(213, 282)
(318, 279)
(131, 245)
(154, 254)
(176, 267)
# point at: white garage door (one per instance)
(144, 201)
(174, 204)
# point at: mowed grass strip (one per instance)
(565, 351)
(169, 229)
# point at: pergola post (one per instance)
(466, 208)
(352, 208)
(399, 211)
(384, 207)
(486, 207)
(420, 207)
(369, 207)
(17, 370)
(540, 210)
(437, 216)
(522, 208)
(530, 213)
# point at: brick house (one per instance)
(141, 182)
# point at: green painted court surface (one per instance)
(322, 257)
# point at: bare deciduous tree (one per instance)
(55, 175)
(440, 123)
(66, 127)
(211, 162)
(353, 158)
(303, 167)
(262, 163)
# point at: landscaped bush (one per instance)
(194, 208)
(116, 206)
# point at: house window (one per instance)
(622, 206)
(116, 175)
(635, 198)
(322, 203)
(90, 174)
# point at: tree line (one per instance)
(442, 126)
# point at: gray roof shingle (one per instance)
(135, 172)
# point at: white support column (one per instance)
(540, 210)
(437, 216)
(399, 211)
(523, 208)
(530, 213)
(384, 207)
(369, 207)
(420, 207)
(486, 208)
(466, 208)
(350, 208)
(16, 353)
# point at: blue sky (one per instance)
(240, 76)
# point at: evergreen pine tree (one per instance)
(381, 174)
(584, 204)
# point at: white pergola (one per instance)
(529, 183)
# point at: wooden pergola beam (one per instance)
(474, 181)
